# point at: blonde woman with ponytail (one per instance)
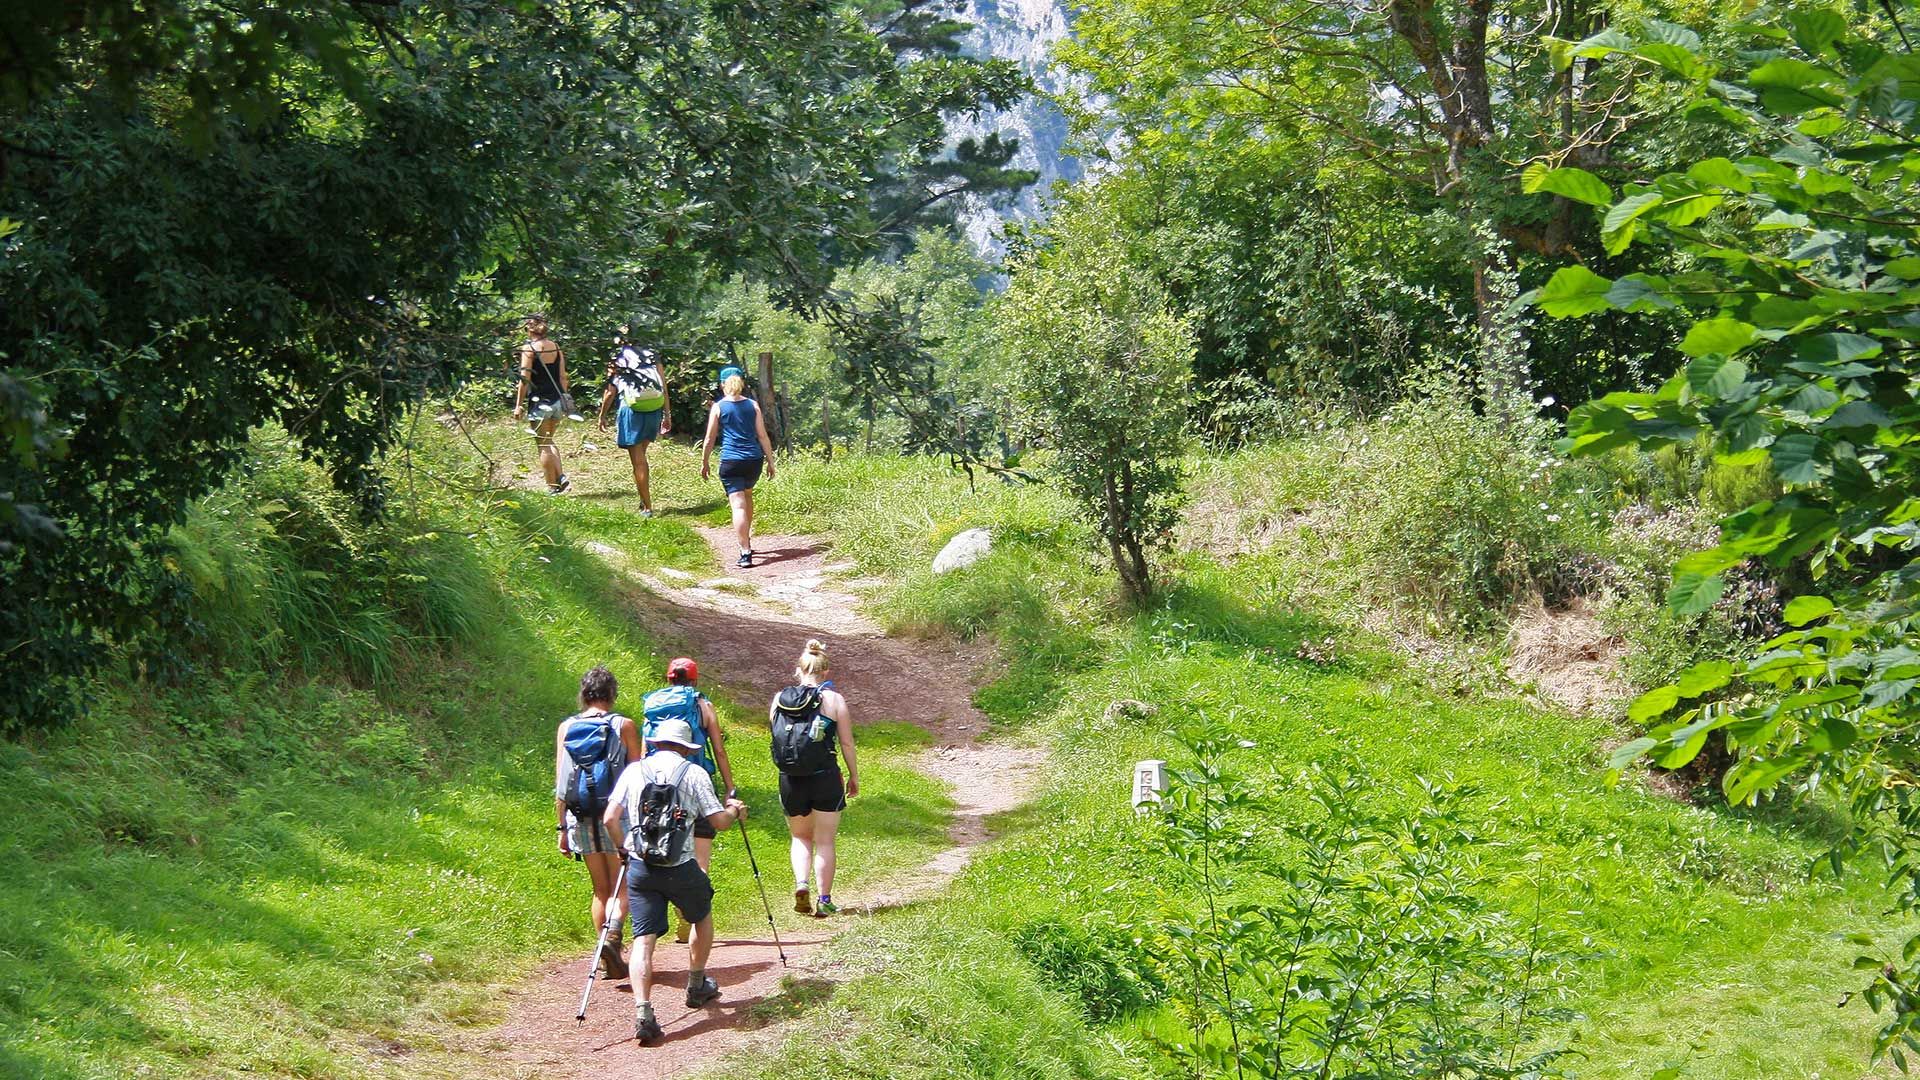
(809, 720)
(736, 424)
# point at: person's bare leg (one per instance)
(825, 828)
(801, 850)
(549, 451)
(702, 945)
(742, 518)
(604, 869)
(642, 475)
(643, 956)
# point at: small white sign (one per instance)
(1149, 783)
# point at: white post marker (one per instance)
(1149, 783)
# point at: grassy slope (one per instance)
(1708, 946)
(272, 871)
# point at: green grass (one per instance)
(308, 852)
(1702, 941)
(296, 857)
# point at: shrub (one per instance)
(1102, 366)
(1103, 969)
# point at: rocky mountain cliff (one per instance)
(1022, 31)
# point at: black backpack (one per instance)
(662, 826)
(595, 756)
(798, 748)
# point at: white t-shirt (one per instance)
(697, 796)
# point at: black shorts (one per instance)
(651, 888)
(802, 795)
(740, 474)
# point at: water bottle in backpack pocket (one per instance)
(802, 734)
(661, 827)
(595, 756)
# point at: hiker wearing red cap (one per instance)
(681, 700)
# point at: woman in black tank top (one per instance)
(543, 388)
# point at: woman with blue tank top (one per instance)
(736, 424)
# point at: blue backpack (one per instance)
(595, 757)
(679, 702)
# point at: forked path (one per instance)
(750, 624)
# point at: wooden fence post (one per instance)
(768, 398)
(826, 424)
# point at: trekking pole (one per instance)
(614, 915)
(764, 902)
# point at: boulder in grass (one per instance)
(963, 550)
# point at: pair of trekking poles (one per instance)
(615, 914)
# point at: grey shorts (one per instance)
(651, 888)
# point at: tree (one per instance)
(1102, 365)
(1803, 347)
(221, 214)
(1418, 111)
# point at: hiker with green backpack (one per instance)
(638, 380)
(591, 749)
(651, 814)
(809, 720)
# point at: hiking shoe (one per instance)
(702, 992)
(612, 967)
(746, 560)
(647, 1030)
(645, 513)
(825, 907)
(802, 903)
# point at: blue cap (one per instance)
(730, 371)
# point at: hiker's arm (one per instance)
(630, 738)
(606, 399)
(616, 808)
(559, 783)
(845, 729)
(565, 386)
(735, 811)
(526, 380)
(713, 432)
(666, 401)
(711, 721)
(760, 432)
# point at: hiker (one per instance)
(651, 815)
(639, 380)
(681, 700)
(735, 422)
(808, 719)
(543, 397)
(591, 749)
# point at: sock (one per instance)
(825, 899)
(646, 1010)
(696, 976)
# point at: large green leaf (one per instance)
(1722, 336)
(1713, 375)
(1623, 220)
(1802, 610)
(1796, 458)
(1574, 290)
(1691, 594)
(1576, 184)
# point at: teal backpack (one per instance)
(679, 703)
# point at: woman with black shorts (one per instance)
(813, 803)
(736, 424)
(543, 398)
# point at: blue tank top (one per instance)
(739, 439)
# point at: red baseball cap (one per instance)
(683, 667)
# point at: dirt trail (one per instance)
(757, 620)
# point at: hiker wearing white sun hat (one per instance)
(651, 814)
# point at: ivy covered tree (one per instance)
(219, 214)
(1802, 289)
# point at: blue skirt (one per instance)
(638, 427)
